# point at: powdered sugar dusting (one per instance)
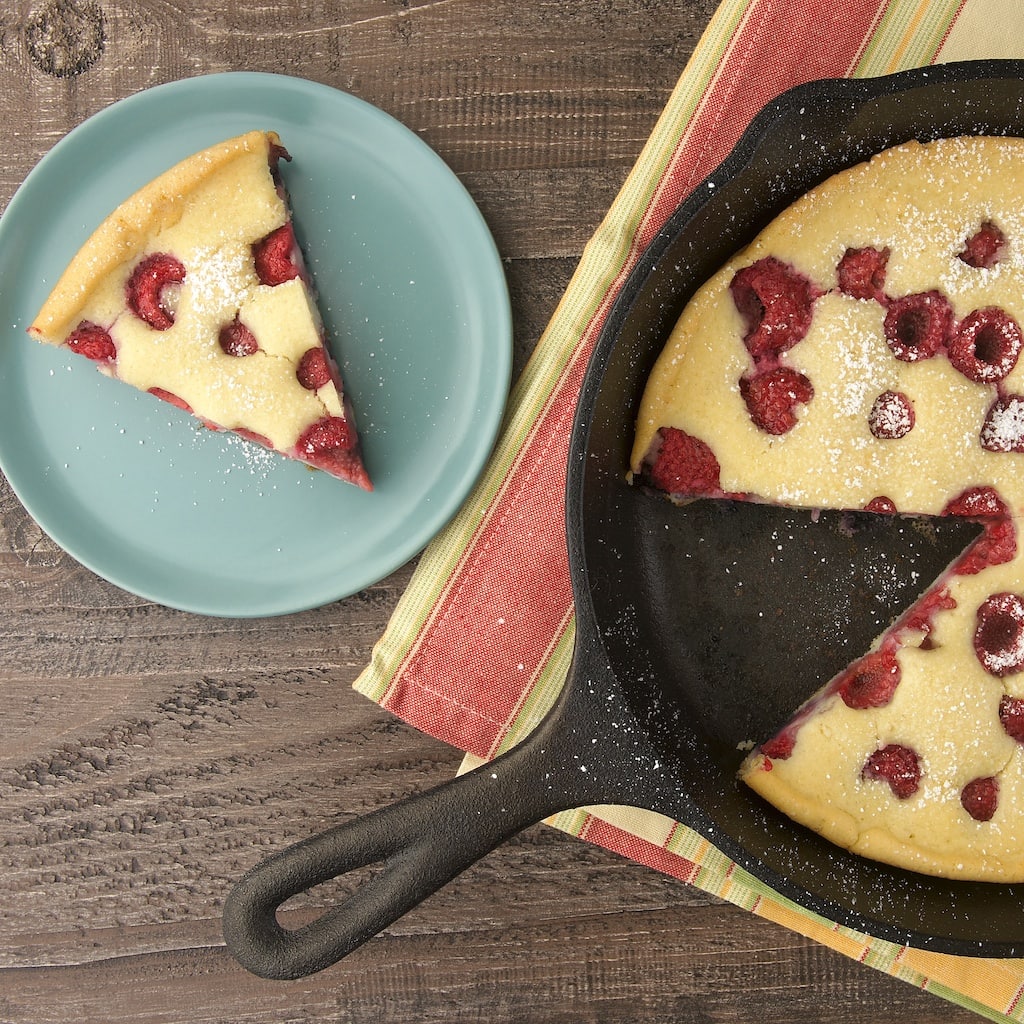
(253, 458)
(855, 364)
(1007, 660)
(891, 416)
(1003, 430)
(217, 280)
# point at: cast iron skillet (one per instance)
(698, 628)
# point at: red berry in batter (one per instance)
(93, 342)
(776, 302)
(329, 444)
(684, 464)
(276, 256)
(871, 682)
(1011, 715)
(779, 747)
(313, 372)
(891, 416)
(977, 503)
(984, 248)
(329, 434)
(897, 765)
(980, 798)
(999, 634)
(861, 273)
(1003, 429)
(170, 397)
(772, 398)
(917, 326)
(998, 543)
(148, 289)
(881, 505)
(237, 340)
(986, 345)
(920, 617)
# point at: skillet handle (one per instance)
(420, 844)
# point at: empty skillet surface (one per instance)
(698, 629)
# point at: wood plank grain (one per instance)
(600, 962)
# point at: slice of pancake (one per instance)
(195, 290)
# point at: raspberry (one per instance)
(776, 302)
(882, 505)
(861, 273)
(1011, 715)
(772, 398)
(276, 256)
(329, 444)
(917, 326)
(1003, 429)
(980, 797)
(977, 503)
(871, 682)
(313, 372)
(998, 544)
(329, 434)
(919, 618)
(779, 747)
(999, 636)
(897, 765)
(891, 416)
(146, 289)
(984, 248)
(93, 342)
(237, 340)
(684, 465)
(986, 345)
(167, 396)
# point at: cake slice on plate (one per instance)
(195, 290)
(863, 353)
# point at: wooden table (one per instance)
(148, 756)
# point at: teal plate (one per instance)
(415, 303)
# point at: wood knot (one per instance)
(66, 37)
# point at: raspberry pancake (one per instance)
(195, 290)
(863, 353)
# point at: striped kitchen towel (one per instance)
(497, 578)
